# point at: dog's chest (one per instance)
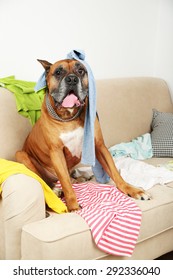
(73, 141)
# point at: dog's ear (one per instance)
(45, 64)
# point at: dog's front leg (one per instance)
(106, 160)
(60, 166)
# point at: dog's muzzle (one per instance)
(71, 92)
(72, 80)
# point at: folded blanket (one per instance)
(8, 168)
(28, 102)
(114, 218)
(138, 148)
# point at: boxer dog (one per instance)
(54, 145)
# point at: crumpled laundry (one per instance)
(28, 102)
(113, 217)
(139, 148)
(168, 165)
(141, 174)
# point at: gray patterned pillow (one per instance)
(162, 134)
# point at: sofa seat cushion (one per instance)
(159, 208)
(70, 236)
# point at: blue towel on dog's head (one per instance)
(88, 149)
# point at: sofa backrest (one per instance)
(125, 106)
(14, 128)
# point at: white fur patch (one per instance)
(73, 140)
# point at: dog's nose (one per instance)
(72, 80)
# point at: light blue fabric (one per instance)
(88, 149)
(139, 148)
(41, 82)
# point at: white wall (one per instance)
(163, 63)
(119, 37)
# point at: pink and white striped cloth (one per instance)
(113, 217)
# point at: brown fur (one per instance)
(44, 151)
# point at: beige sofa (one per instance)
(125, 110)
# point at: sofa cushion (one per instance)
(162, 134)
(124, 106)
(70, 237)
(22, 202)
(14, 127)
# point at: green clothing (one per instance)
(28, 101)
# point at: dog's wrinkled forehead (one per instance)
(60, 69)
(67, 66)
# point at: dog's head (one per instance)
(67, 82)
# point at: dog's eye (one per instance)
(81, 71)
(58, 72)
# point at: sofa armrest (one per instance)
(22, 203)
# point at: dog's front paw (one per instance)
(72, 204)
(142, 195)
(134, 192)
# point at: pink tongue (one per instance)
(70, 101)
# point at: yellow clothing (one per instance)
(8, 168)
